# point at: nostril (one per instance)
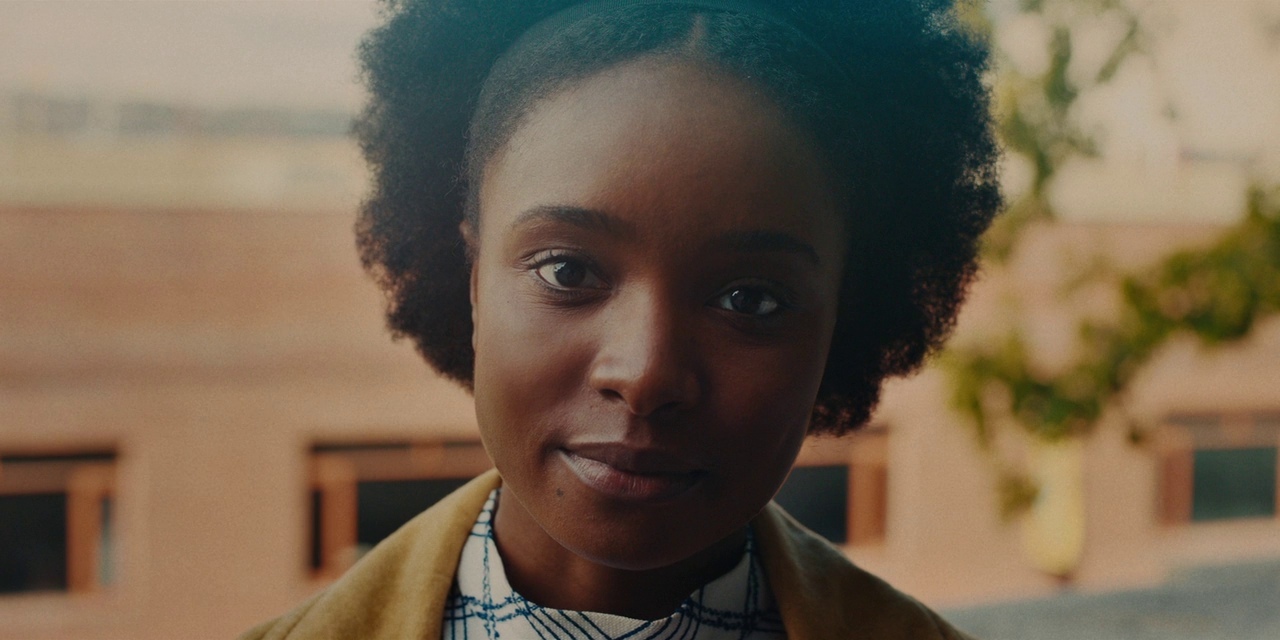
(647, 397)
(641, 362)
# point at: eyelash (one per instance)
(545, 259)
(780, 298)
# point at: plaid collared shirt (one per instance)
(482, 604)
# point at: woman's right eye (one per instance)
(568, 273)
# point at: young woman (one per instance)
(662, 242)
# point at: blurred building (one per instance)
(202, 419)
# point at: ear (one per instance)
(468, 232)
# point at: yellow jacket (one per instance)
(398, 590)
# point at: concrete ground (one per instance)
(1239, 602)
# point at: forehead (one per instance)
(661, 136)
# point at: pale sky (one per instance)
(1217, 62)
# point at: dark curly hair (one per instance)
(891, 90)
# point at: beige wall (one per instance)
(945, 541)
(212, 348)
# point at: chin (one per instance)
(634, 554)
(643, 538)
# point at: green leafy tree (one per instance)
(1038, 108)
(1217, 294)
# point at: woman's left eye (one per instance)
(751, 301)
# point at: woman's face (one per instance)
(654, 297)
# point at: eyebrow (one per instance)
(757, 241)
(581, 217)
(752, 241)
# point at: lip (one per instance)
(628, 473)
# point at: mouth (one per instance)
(626, 473)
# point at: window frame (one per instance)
(88, 479)
(1181, 435)
(866, 453)
(336, 468)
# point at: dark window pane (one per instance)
(819, 498)
(90, 456)
(317, 503)
(384, 506)
(1234, 483)
(33, 542)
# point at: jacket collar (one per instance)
(399, 589)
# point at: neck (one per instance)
(548, 574)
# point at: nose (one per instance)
(646, 356)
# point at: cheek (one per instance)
(522, 345)
(765, 398)
(781, 378)
(766, 403)
(526, 364)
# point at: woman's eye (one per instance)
(568, 274)
(749, 301)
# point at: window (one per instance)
(361, 493)
(839, 487)
(56, 514)
(1233, 483)
(1219, 467)
(818, 496)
